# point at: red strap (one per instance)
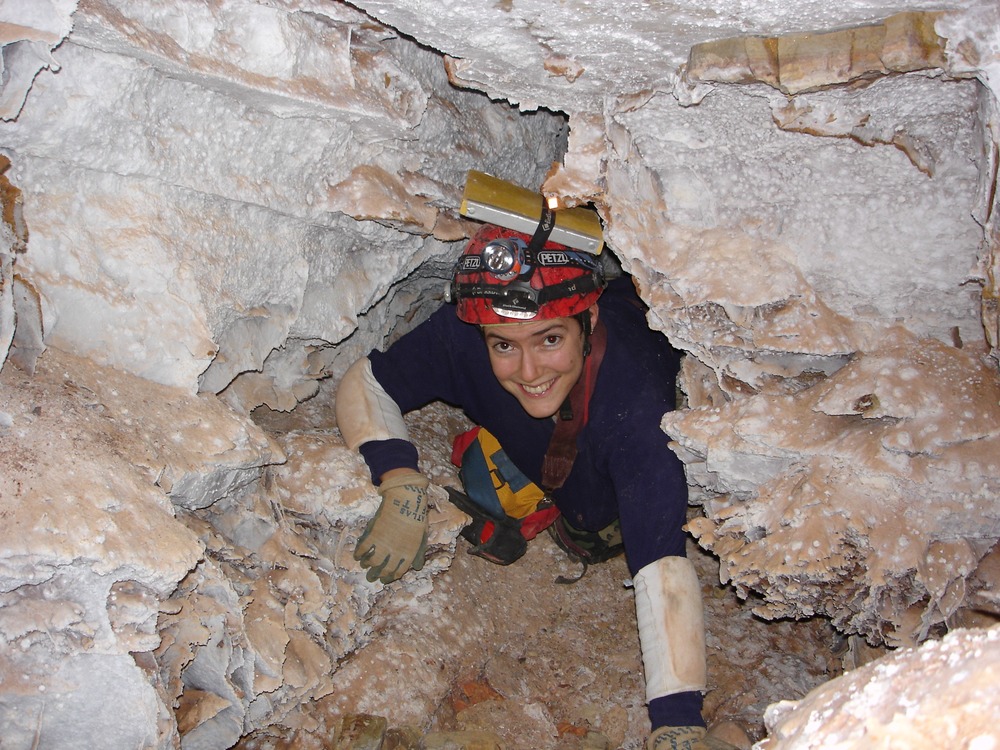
(537, 522)
(562, 445)
(461, 444)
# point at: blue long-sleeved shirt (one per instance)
(623, 467)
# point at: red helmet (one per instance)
(499, 279)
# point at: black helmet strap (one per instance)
(545, 226)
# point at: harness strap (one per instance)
(561, 452)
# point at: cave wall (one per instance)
(217, 207)
(797, 315)
(216, 144)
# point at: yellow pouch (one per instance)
(492, 481)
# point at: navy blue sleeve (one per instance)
(648, 476)
(384, 455)
(442, 359)
(411, 371)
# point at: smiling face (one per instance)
(538, 361)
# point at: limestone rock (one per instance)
(30, 31)
(262, 624)
(13, 240)
(176, 257)
(360, 732)
(150, 541)
(467, 740)
(91, 548)
(944, 691)
(878, 512)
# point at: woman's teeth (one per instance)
(537, 390)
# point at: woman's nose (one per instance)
(529, 366)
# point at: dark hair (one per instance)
(583, 319)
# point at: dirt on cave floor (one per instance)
(508, 651)
(542, 664)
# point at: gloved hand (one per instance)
(685, 738)
(396, 537)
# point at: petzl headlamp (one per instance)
(505, 258)
(528, 260)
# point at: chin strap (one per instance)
(668, 609)
(573, 415)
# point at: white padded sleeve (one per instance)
(671, 621)
(364, 410)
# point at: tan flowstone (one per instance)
(795, 63)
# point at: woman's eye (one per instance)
(501, 347)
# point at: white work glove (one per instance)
(395, 540)
(685, 738)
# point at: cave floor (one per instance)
(508, 652)
(514, 660)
